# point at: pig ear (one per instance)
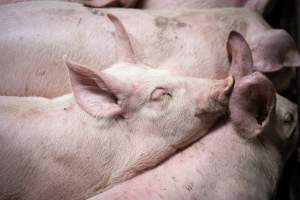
(251, 104)
(98, 94)
(109, 3)
(274, 49)
(239, 55)
(123, 45)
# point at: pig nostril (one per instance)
(288, 118)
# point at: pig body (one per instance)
(222, 165)
(258, 5)
(187, 42)
(74, 146)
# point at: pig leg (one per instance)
(109, 3)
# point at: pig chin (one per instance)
(199, 134)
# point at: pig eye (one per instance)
(288, 118)
(159, 94)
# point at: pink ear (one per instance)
(239, 54)
(98, 94)
(251, 104)
(123, 45)
(274, 49)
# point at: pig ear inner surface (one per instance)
(251, 105)
(98, 94)
(239, 55)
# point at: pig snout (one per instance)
(217, 105)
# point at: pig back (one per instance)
(35, 36)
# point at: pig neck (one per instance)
(118, 149)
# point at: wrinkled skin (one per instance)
(257, 5)
(223, 165)
(118, 123)
(191, 43)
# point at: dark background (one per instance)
(286, 14)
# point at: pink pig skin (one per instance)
(223, 165)
(242, 158)
(117, 123)
(258, 5)
(187, 42)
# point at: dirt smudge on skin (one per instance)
(59, 11)
(189, 186)
(79, 21)
(161, 22)
(95, 11)
(164, 22)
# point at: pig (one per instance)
(184, 42)
(220, 166)
(257, 5)
(240, 159)
(115, 124)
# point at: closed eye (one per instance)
(159, 94)
(288, 118)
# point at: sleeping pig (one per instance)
(185, 42)
(117, 123)
(230, 163)
(241, 158)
